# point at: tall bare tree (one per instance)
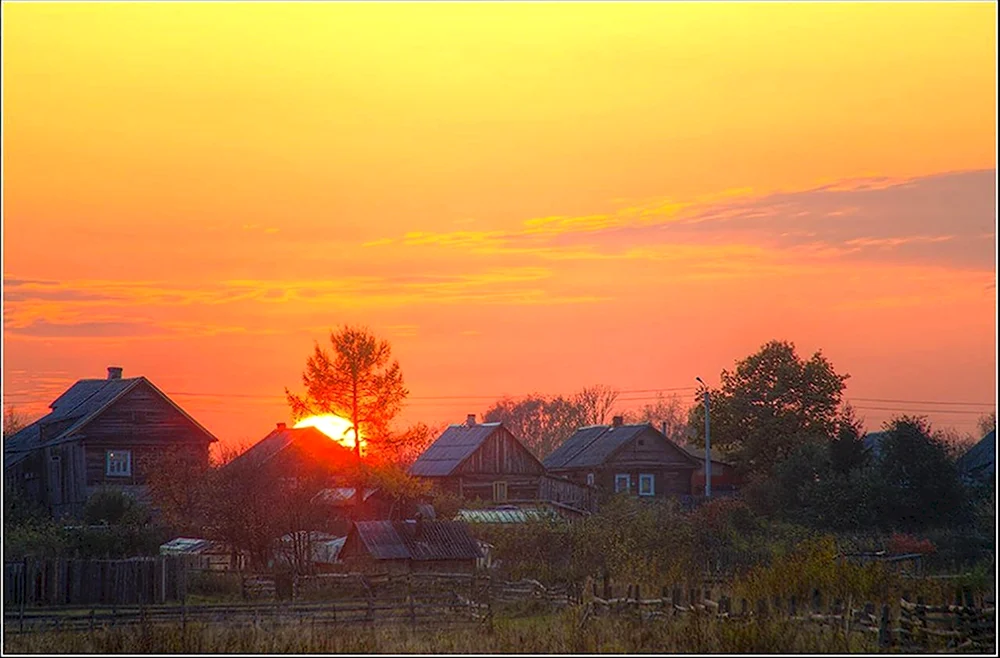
(357, 380)
(13, 421)
(596, 403)
(664, 411)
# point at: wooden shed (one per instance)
(405, 546)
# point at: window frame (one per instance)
(112, 456)
(628, 482)
(497, 487)
(651, 479)
(590, 479)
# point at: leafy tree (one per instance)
(847, 449)
(541, 423)
(769, 405)
(923, 485)
(358, 380)
(113, 507)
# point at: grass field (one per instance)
(544, 633)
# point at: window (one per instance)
(646, 487)
(119, 463)
(499, 491)
(590, 479)
(622, 482)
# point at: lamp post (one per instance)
(708, 444)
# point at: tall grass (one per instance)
(553, 633)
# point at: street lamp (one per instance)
(708, 445)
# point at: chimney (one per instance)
(282, 426)
(114, 372)
(664, 428)
(470, 420)
(617, 421)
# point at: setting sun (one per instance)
(337, 428)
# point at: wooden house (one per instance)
(725, 480)
(100, 433)
(405, 546)
(618, 458)
(486, 461)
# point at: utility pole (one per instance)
(708, 444)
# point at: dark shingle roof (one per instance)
(451, 448)
(400, 540)
(590, 446)
(81, 403)
(980, 459)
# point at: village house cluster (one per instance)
(107, 432)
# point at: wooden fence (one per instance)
(59, 581)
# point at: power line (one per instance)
(967, 404)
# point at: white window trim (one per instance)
(647, 477)
(590, 479)
(628, 482)
(126, 471)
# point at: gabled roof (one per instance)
(592, 446)
(426, 540)
(450, 449)
(280, 439)
(980, 459)
(82, 402)
(337, 496)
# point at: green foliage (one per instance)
(113, 507)
(771, 404)
(922, 486)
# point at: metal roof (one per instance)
(339, 495)
(980, 459)
(590, 446)
(426, 540)
(872, 442)
(505, 515)
(699, 454)
(450, 449)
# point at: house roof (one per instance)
(872, 442)
(699, 455)
(74, 409)
(450, 449)
(339, 495)
(591, 446)
(980, 459)
(401, 540)
(281, 438)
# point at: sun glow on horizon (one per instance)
(337, 428)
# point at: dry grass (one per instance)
(552, 633)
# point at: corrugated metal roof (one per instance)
(451, 448)
(180, 545)
(426, 540)
(505, 515)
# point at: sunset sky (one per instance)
(521, 197)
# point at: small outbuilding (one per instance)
(415, 545)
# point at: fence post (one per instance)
(884, 636)
(409, 598)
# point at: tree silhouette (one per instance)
(357, 380)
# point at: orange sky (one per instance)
(524, 197)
